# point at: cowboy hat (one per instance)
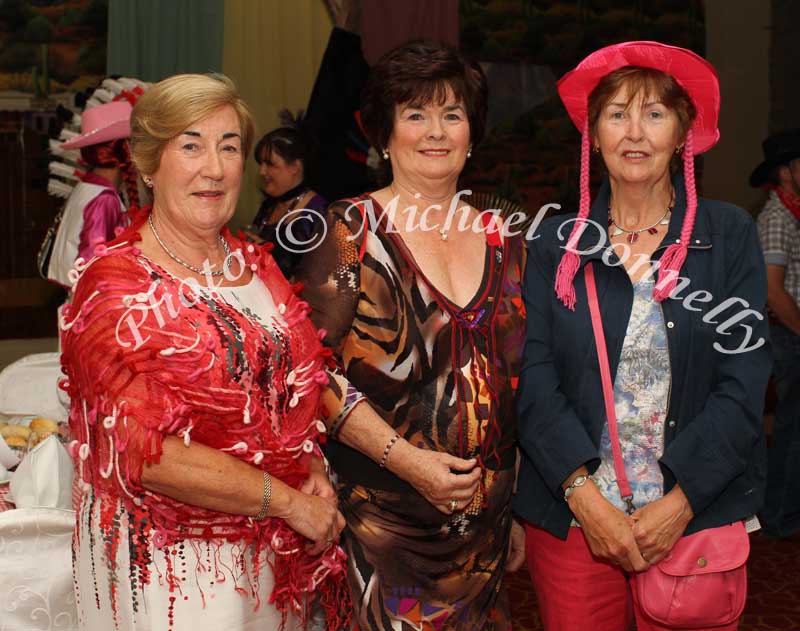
(102, 123)
(779, 149)
(692, 72)
(699, 79)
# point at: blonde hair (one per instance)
(174, 104)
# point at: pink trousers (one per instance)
(578, 592)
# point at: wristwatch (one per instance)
(579, 480)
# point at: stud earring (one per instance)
(385, 154)
(148, 182)
(469, 152)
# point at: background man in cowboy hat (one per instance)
(779, 229)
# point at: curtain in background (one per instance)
(272, 51)
(385, 24)
(153, 39)
(271, 48)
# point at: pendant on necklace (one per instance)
(443, 234)
(633, 237)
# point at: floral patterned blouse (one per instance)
(641, 393)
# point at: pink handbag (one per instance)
(703, 580)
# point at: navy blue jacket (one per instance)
(713, 443)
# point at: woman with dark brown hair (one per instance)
(644, 372)
(423, 314)
(292, 213)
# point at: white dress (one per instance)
(215, 586)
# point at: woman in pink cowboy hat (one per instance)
(94, 209)
(645, 364)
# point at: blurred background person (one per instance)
(94, 210)
(779, 228)
(291, 214)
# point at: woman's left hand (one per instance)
(516, 547)
(317, 482)
(660, 524)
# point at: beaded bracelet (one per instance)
(262, 514)
(386, 451)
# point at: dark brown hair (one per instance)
(111, 154)
(289, 143)
(643, 83)
(421, 72)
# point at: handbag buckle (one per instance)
(630, 509)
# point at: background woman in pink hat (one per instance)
(94, 209)
(641, 425)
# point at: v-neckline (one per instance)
(440, 296)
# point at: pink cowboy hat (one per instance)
(102, 123)
(699, 79)
(692, 72)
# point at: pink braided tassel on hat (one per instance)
(570, 262)
(674, 256)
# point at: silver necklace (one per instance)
(633, 235)
(442, 232)
(196, 270)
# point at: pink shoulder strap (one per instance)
(608, 390)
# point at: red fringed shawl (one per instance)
(147, 357)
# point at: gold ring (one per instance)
(453, 505)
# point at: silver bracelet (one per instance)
(386, 451)
(579, 480)
(265, 498)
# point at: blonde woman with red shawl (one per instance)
(195, 377)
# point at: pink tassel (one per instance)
(675, 255)
(669, 271)
(571, 262)
(565, 275)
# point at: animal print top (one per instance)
(443, 376)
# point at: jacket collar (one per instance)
(598, 213)
(90, 177)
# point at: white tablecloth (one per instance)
(29, 386)
(36, 592)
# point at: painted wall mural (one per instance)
(49, 47)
